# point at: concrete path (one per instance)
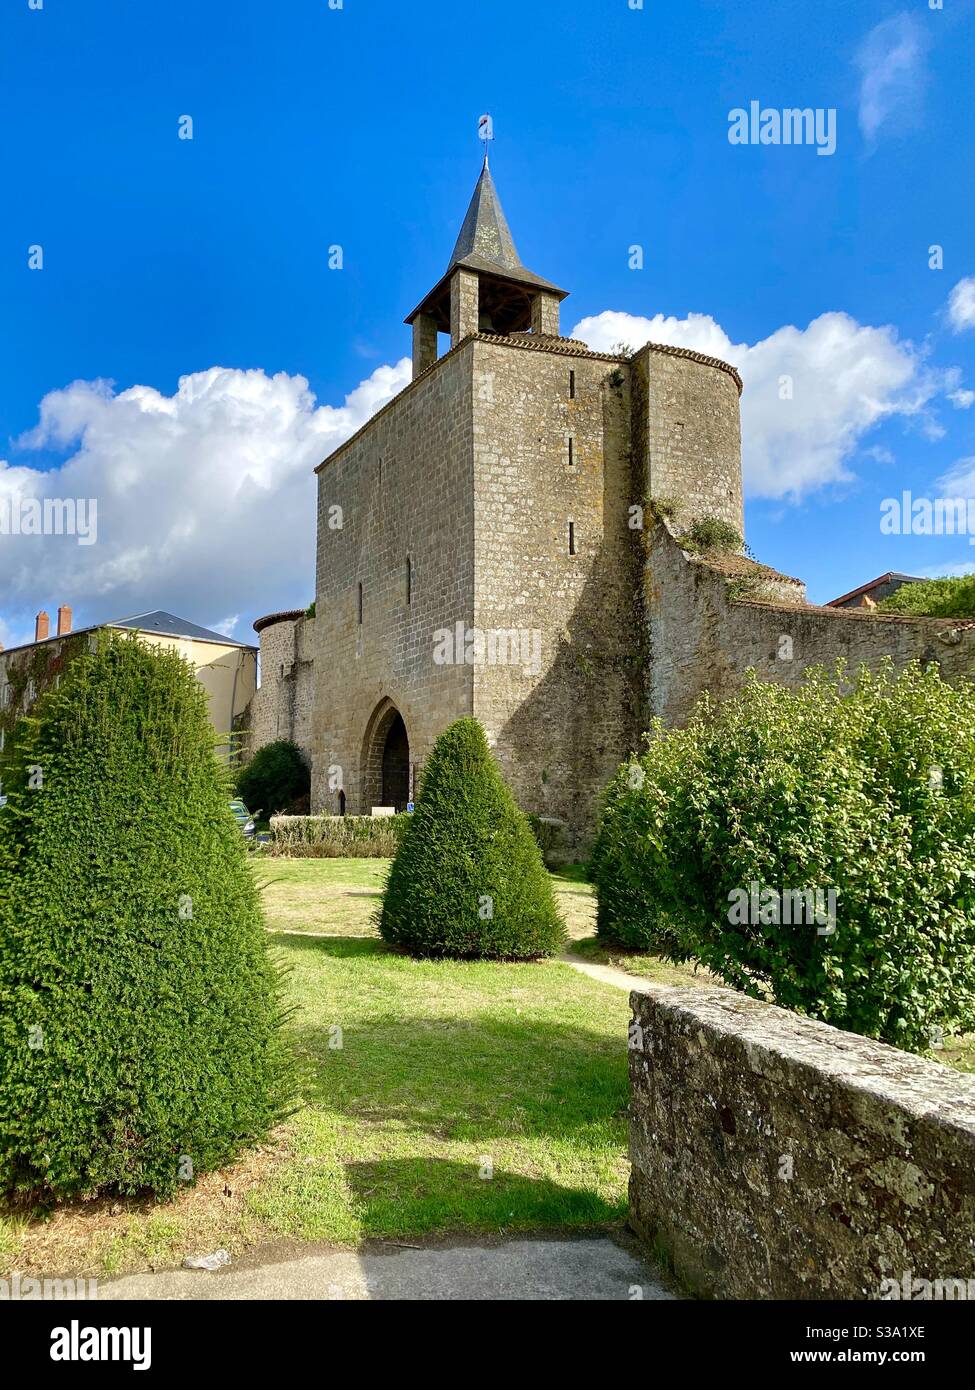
(587, 1268)
(607, 974)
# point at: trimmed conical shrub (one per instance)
(468, 879)
(139, 1011)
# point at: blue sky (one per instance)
(312, 126)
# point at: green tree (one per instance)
(140, 1017)
(862, 790)
(950, 597)
(468, 879)
(275, 778)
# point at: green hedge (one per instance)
(866, 790)
(139, 1012)
(468, 880)
(336, 837)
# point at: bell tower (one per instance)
(485, 289)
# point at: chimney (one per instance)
(64, 621)
(41, 627)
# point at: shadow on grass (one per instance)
(340, 947)
(506, 1058)
(419, 1195)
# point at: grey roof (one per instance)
(485, 242)
(168, 625)
(486, 246)
(485, 232)
(892, 576)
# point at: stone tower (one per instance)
(487, 545)
(479, 548)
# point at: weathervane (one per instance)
(485, 132)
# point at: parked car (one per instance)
(243, 817)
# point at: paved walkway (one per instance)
(607, 974)
(587, 1268)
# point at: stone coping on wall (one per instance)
(767, 1032)
(291, 615)
(705, 360)
(775, 1156)
(733, 566)
(862, 615)
(536, 342)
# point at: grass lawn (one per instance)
(340, 896)
(336, 896)
(438, 1097)
(463, 1097)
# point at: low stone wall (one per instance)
(777, 1157)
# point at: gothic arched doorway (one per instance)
(396, 766)
(386, 759)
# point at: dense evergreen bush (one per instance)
(867, 790)
(274, 779)
(468, 879)
(139, 1012)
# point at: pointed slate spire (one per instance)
(485, 232)
(509, 295)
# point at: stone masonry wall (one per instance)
(565, 713)
(700, 638)
(399, 490)
(282, 706)
(687, 434)
(775, 1157)
(26, 672)
(464, 305)
(505, 477)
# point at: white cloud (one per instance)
(893, 74)
(206, 498)
(959, 481)
(961, 305)
(962, 398)
(946, 571)
(846, 378)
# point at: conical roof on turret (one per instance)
(486, 246)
